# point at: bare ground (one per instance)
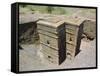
(31, 58)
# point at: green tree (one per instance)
(23, 6)
(50, 9)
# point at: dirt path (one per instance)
(30, 60)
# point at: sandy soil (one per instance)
(31, 58)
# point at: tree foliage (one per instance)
(50, 9)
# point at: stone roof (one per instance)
(74, 20)
(52, 21)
